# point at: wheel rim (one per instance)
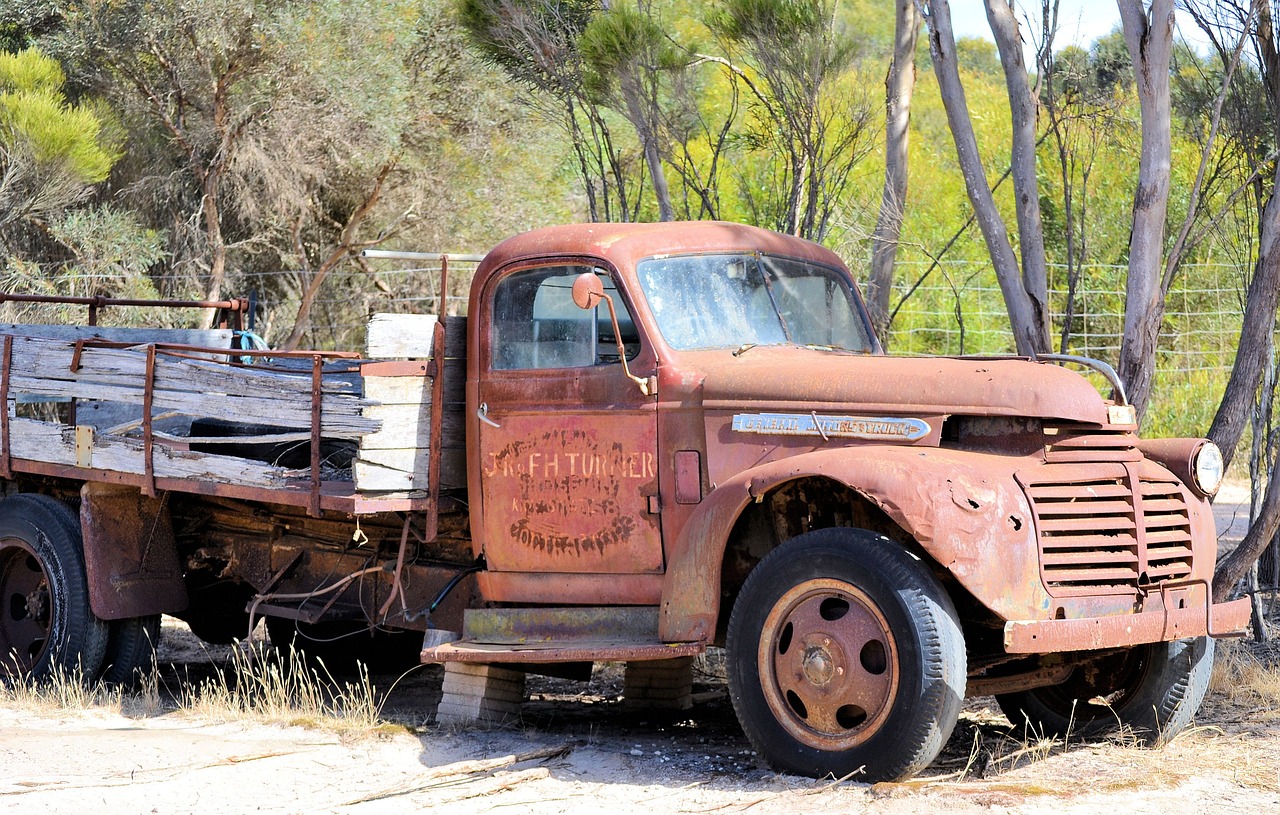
(828, 664)
(26, 606)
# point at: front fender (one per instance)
(963, 508)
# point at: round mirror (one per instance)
(588, 290)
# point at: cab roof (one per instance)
(626, 244)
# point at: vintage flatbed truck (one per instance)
(663, 438)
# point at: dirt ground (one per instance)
(576, 749)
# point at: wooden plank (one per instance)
(126, 366)
(56, 444)
(410, 426)
(412, 389)
(410, 336)
(254, 410)
(382, 474)
(191, 387)
(207, 338)
(398, 390)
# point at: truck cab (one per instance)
(711, 440)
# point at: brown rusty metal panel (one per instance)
(1124, 630)
(561, 626)
(581, 589)
(129, 552)
(590, 652)
(568, 492)
(688, 476)
(732, 449)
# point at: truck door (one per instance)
(568, 445)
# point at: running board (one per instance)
(501, 635)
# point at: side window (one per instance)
(536, 324)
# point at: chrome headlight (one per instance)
(1208, 468)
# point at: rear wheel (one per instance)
(46, 623)
(1155, 690)
(844, 653)
(131, 650)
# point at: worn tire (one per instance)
(880, 679)
(1154, 690)
(46, 623)
(131, 650)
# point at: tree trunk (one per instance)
(347, 246)
(1228, 424)
(1259, 321)
(1028, 334)
(899, 86)
(1263, 529)
(217, 244)
(649, 144)
(1022, 109)
(1150, 44)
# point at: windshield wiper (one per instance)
(744, 348)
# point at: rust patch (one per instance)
(129, 552)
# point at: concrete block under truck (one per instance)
(644, 440)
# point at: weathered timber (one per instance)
(192, 387)
(410, 426)
(412, 390)
(208, 338)
(410, 336)
(406, 469)
(52, 359)
(56, 444)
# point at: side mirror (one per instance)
(588, 290)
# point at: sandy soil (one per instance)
(576, 749)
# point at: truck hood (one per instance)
(803, 379)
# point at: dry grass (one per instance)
(1242, 677)
(282, 687)
(257, 685)
(64, 690)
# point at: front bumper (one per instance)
(1123, 630)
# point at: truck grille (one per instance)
(1099, 532)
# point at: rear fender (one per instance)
(964, 509)
(129, 553)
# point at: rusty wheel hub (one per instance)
(25, 606)
(828, 664)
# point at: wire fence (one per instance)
(959, 309)
(954, 308)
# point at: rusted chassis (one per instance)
(968, 516)
(218, 561)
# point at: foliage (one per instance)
(51, 151)
(812, 119)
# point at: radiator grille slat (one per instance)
(1096, 535)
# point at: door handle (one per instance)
(482, 413)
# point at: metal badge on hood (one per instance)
(840, 427)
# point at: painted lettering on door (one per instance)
(576, 492)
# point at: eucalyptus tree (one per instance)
(537, 43)
(258, 129)
(1025, 285)
(626, 54)
(812, 121)
(899, 86)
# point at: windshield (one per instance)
(728, 301)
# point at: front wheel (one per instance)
(844, 653)
(1154, 690)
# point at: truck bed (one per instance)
(117, 405)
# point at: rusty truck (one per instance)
(639, 442)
